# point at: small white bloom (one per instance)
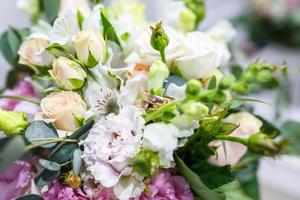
(164, 138)
(111, 144)
(233, 152)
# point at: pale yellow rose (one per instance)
(61, 109)
(67, 73)
(90, 42)
(32, 52)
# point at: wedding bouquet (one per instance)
(273, 21)
(109, 108)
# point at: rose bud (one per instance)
(157, 74)
(68, 74)
(12, 123)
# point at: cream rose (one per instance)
(233, 152)
(72, 6)
(67, 73)
(32, 52)
(61, 108)
(90, 43)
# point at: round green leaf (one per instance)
(44, 177)
(49, 165)
(40, 131)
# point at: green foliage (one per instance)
(49, 165)
(11, 149)
(64, 153)
(10, 42)
(291, 133)
(51, 8)
(30, 197)
(197, 185)
(213, 176)
(233, 191)
(109, 32)
(40, 131)
(83, 129)
(44, 177)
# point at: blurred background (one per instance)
(280, 178)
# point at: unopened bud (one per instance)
(227, 81)
(159, 38)
(262, 144)
(13, 123)
(193, 87)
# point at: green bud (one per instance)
(195, 109)
(227, 81)
(264, 75)
(146, 163)
(249, 77)
(264, 145)
(13, 123)
(194, 87)
(159, 38)
(157, 74)
(239, 87)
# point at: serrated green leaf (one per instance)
(39, 131)
(11, 149)
(109, 32)
(197, 185)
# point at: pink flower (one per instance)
(24, 88)
(57, 192)
(15, 180)
(164, 186)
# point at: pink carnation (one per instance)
(167, 187)
(15, 181)
(57, 192)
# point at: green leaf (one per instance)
(58, 50)
(76, 83)
(80, 19)
(227, 128)
(11, 149)
(212, 83)
(30, 197)
(197, 185)
(213, 176)
(109, 32)
(64, 153)
(245, 172)
(125, 36)
(233, 191)
(49, 165)
(40, 131)
(268, 128)
(82, 130)
(291, 133)
(44, 177)
(146, 163)
(77, 161)
(51, 8)
(91, 62)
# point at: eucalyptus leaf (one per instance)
(40, 131)
(82, 130)
(44, 177)
(64, 153)
(197, 185)
(30, 197)
(77, 161)
(49, 165)
(11, 149)
(109, 32)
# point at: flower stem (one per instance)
(34, 101)
(33, 146)
(163, 56)
(233, 139)
(159, 111)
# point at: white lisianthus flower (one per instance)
(32, 52)
(90, 44)
(164, 138)
(71, 6)
(67, 73)
(111, 144)
(233, 152)
(61, 109)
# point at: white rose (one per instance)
(61, 108)
(202, 55)
(233, 152)
(32, 52)
(67, 6)
(90, 43)
(67, 73)
(164, 138)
